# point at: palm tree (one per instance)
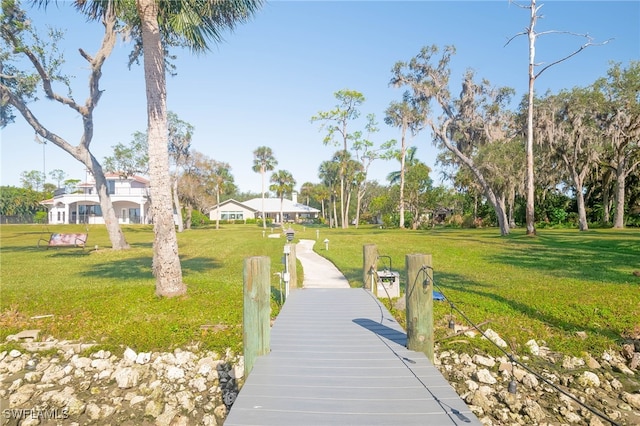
(410, 160)
(222, 179)
(408, 115)
(263, 161)
(155, 25)
(329, 173)
(306, 191)
(282, 184)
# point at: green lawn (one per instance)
(545, 288)
(108, 296)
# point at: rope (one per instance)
(510, 356)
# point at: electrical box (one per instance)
(388, 284)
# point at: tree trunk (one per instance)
(582, 212)
(118, 242)
(488, 192)
(618, 215)
(166, 262)
(218, 213)
(606, 199)
(176, 204)
(264, 219)
(342, 224)
(189, 216)
(530, 185)
(512, 202)
(403, 154)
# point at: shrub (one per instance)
(259, 222)
(199, 219)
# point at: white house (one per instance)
(252, 209)
(130, 198)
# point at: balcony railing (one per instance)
(118, 191)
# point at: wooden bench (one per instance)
(65, 240)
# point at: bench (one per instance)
(65, 240)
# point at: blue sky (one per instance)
(267, 79)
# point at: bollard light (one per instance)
(290, 233)
(326, 244)
(317, 234)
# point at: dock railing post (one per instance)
(369, 261)
(419, 297)
(256, 327)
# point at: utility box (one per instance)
(388, 284)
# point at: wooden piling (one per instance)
(369, 260)
(419, 299)
(256, 327)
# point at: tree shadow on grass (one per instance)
(464, 285)
(140, 267)
(575, 256)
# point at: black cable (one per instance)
(511, 357)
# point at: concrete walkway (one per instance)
(338, 357)
(318, 271)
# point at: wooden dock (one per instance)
(338, 357)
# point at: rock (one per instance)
(153, 409)
(592, 363)
(185, 400)
(484, 376)
(100, 364)
(589, 379)
(572, 417)
(478, 399)
(129, 355)
(14, 353)
(495, 338)
(126, 377)
(621, 368)
(532, 409)
(631, 399)
(571, 363)
(92, 411)
(175, 373)
(167, 416)
(534, 349)
(136, 400)
(22, 396)
(530, 381)
(635, 361)
(25, 334)
(75, 406)
(143, 358)
(53, 374)
(484, 361)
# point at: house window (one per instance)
(89, 209)
(111, 186)
(232, 216)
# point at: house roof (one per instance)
(272, 205)
(231, 201)
(115, 176)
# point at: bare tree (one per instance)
(532, 35)
(19, 87)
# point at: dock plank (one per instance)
(338, 357)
